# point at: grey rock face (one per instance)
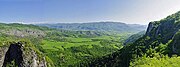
(3, 51)
(175, 44)
(21, 55)
(23, 33)
(14, 53)
(165, 30)
(149, 29)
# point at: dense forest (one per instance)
(159, 47)
(91, 44)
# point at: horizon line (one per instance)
(45, 22)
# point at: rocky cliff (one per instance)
(175, 44)
(161, 38)
(165, 30)
(3, 51)
(20, 54)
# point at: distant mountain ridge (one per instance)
(98, 26)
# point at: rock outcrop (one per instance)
(3, 51)
(21, 55)
(175, 44)
(165, 30)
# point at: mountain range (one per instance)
(99, 26)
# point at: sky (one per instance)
(83, 11)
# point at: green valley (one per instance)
(58, 47)
(77, 50)
(62, 47)
(89, 33)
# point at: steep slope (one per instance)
(175, 44)
(164, 29)
(99, 26)
(161, 38)
(134, 37)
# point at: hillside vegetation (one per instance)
(63, 47)
(158, 47)
(98, 44)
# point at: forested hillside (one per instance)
(158, 47)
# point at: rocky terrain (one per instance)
(21, 55)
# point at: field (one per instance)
(75, 50)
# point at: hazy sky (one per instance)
(70, 11)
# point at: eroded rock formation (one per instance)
(18, 54)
